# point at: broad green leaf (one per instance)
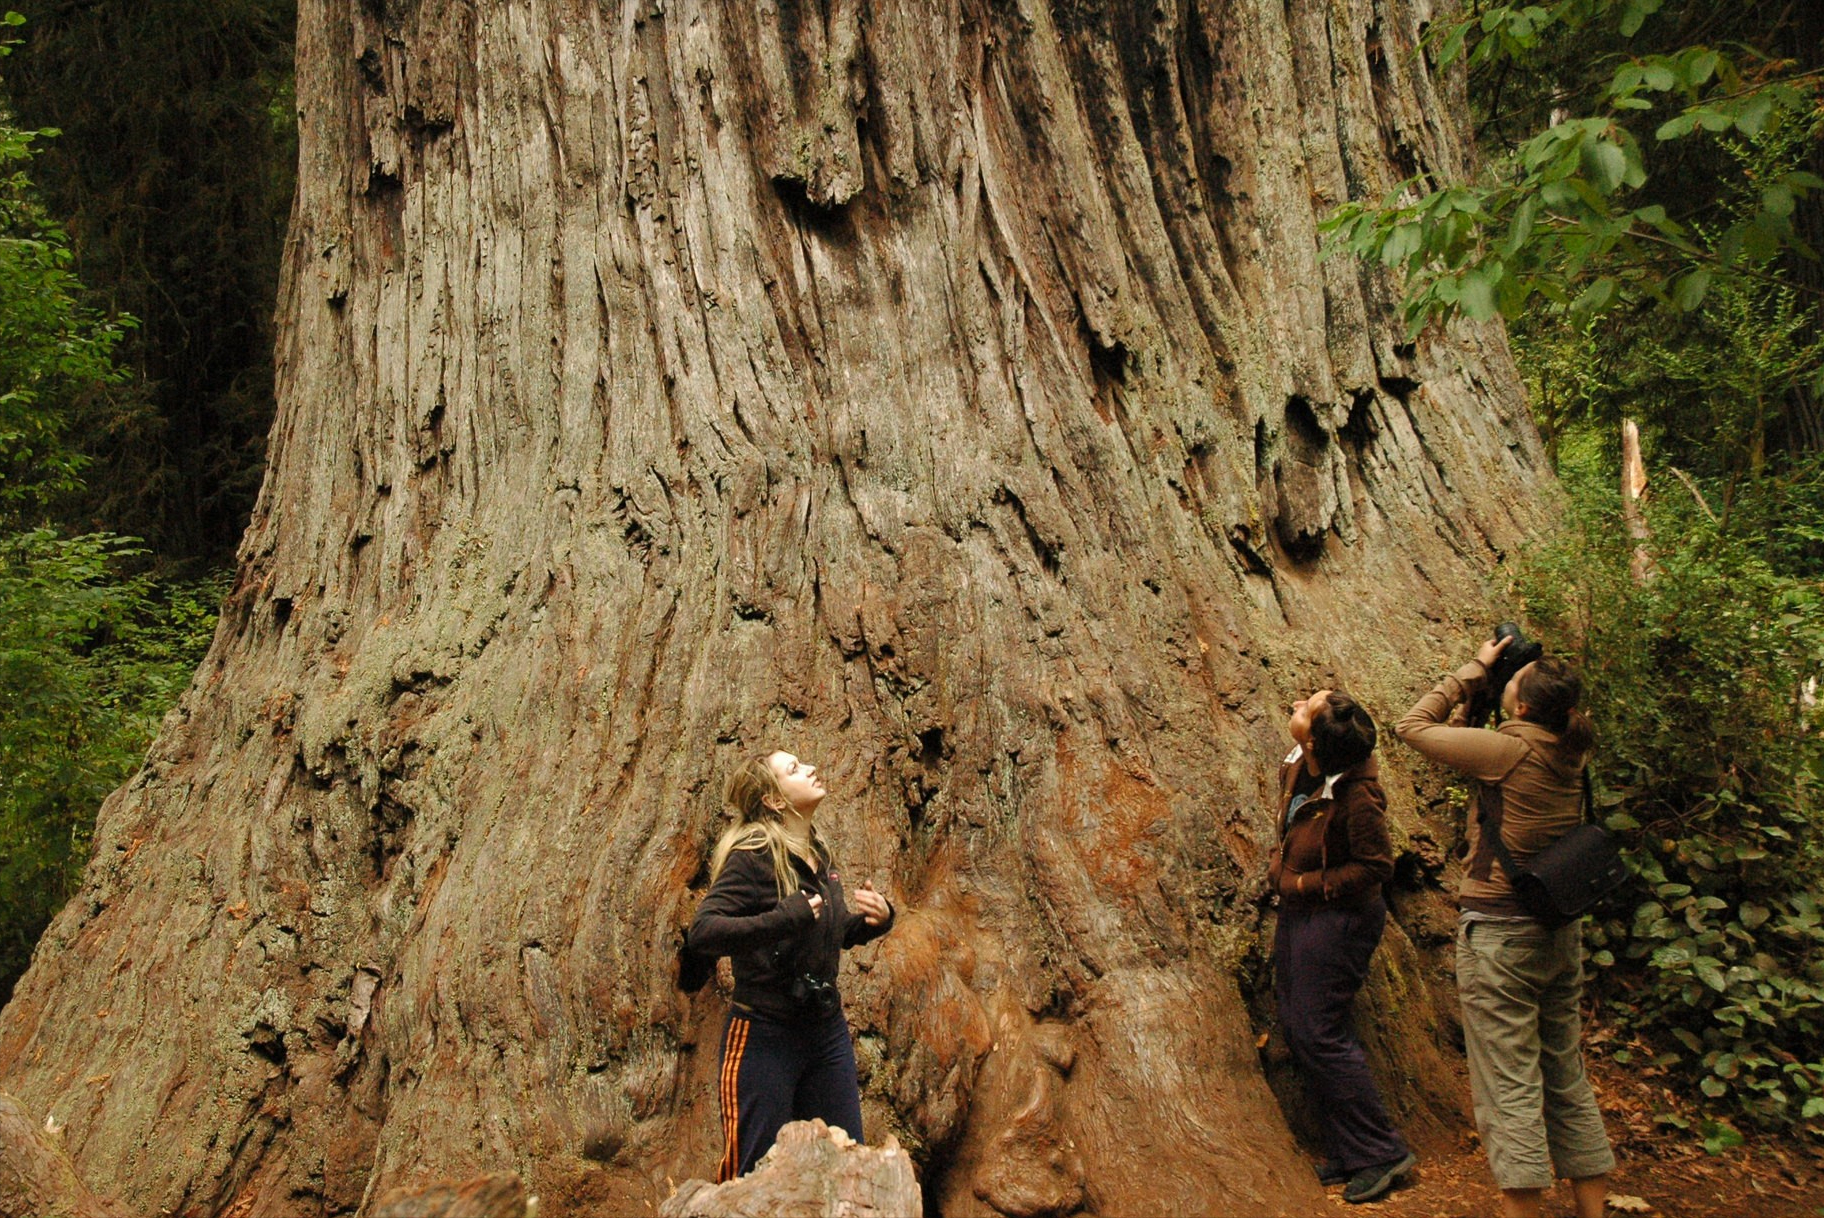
(1402, 244)
(1522, 226)
(1627, 78)
(1452, 47)
(1594, 298)
(1777, 200)
(1477, 298)
(1512, 293)
(1557, 195)
(1678, 127)
(1634, 176)
(1605, 164)
(1751, 117)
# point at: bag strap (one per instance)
(1489, 846)
(1491, 808)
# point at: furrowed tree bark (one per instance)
(950, 393)
(36, 1176)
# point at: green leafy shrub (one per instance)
(1605, 197)
(1709, 763)
(89, 662)
(91, 655)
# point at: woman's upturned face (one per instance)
(798, 780)
(1303, 711)
(1510, 697)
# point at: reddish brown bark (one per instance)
(497, 1196)
(36, 1175)
(950, 394)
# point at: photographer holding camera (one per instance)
(1520, 973)
(776, 909)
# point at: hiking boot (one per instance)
(1331, 1172)
(1372, 1182)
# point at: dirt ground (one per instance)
(1663, 1171)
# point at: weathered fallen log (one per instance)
(500, 1195)
(37, 1178)
(811, 1171)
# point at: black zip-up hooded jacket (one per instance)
(771, 942)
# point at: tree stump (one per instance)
(812, 1171)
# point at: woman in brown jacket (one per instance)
(1333, 857)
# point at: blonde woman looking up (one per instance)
(776, 908)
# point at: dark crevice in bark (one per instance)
(1045, 551)
(833, 222)
(1359, 427)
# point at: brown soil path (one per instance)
(1663, 1171)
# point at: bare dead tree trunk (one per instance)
(1641, 566)
(950, 393)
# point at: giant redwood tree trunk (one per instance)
(949, 393)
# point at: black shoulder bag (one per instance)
(1565, 880)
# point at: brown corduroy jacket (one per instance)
(1337, 841)
(1540, 780)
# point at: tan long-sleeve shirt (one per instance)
(1539, 777)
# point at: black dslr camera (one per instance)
(1521, 652)
(815, 996)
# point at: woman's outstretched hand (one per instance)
(872, 907)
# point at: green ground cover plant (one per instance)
(1709, 765)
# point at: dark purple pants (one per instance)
(773, 1073)
(1320, 959)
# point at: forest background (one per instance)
(1647, 213)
